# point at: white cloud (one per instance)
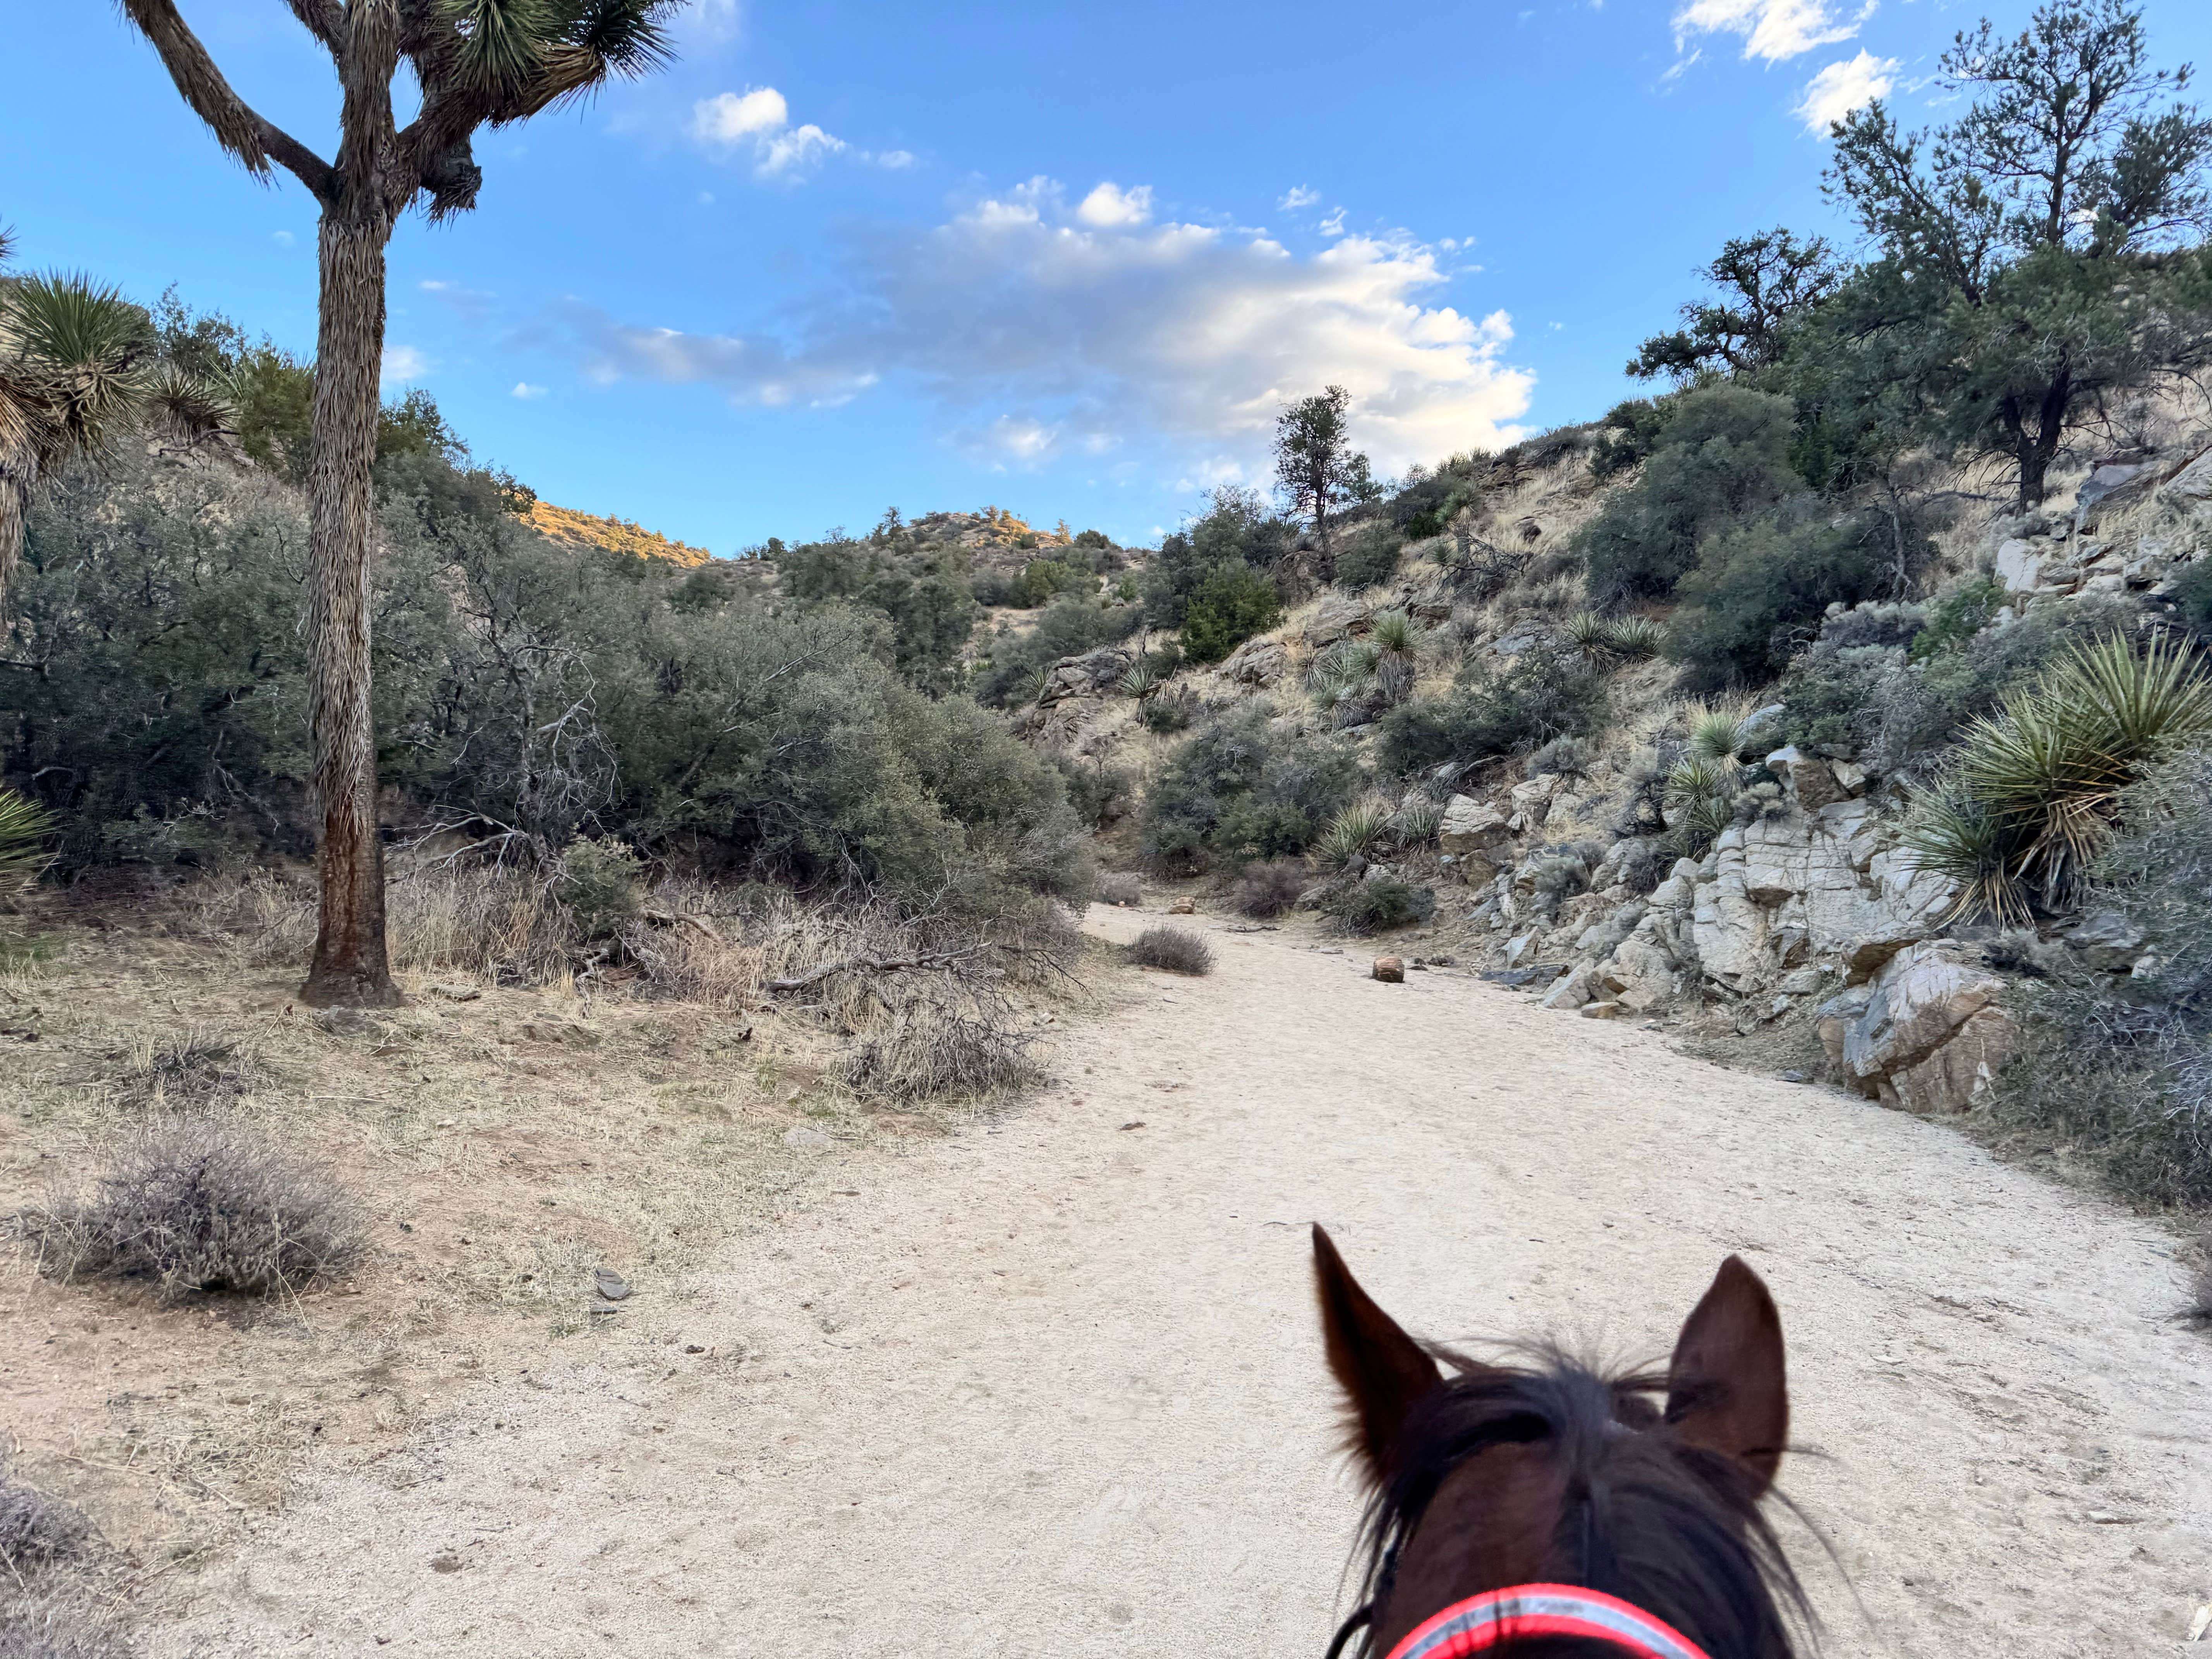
(403, 363)
(1111, 208)
(1038, 330)
(526, 392)
(1772, 30)
(1841, 88)
(729, 115)
(1297, 197)
(761, 116)
(282, 238)
(794, 149)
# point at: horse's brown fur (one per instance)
(1644, 1486)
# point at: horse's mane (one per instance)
(1673, 1529)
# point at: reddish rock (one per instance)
(1390, 970)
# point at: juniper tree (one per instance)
(475, 64)
(2041, 251)
(1315, 466)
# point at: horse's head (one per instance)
(1644, 1487)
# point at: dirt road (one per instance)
(1053, 1387)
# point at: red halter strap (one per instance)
(1495, 1617)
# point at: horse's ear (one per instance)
(1383, 1372)
(1727, 1387)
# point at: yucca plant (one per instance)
(1354, 832)
(188, 408)
(1718, 734)
(1633, 637)
(1590, 635)
(72, 369)
(1392, 651)
(2034, 797)
(1142, 679)
(23, 831)
(1416, 820)
(1701, 789)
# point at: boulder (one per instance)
(1808, 777)
(2106, 940)
(1338, 617)
(1572, 989)
(1641, 973)
(1262, 662)
(1929, 1037)
(1851, 777)
(1390, 970)
(1475, 834)
(1535, 795)
(2019, 566)
(2192, 486)
(1601, 1011)
(1728, 926)
(1087, 676)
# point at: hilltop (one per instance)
(616, 535)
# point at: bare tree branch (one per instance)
(254, 140)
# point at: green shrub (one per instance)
(1368, 558)
(1725, 456)
(1231, 603)
(1041, 581)
(2035, 792)
(2192, 596)
(1378, 905)
(1540, 696)
(1757, 595)
(1173, 950)
(1956, 617)
(1099, 793)
(602, 885)
(1628, 434)
(1237, 790)
(36, 1530)
(1067, 627)
(1238, 528)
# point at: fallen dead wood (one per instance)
(875, 963)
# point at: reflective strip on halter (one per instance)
(1495, 1617)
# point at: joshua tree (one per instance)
(477, 63)
(72, 361)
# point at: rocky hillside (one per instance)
(1561, 869)
(616, 535)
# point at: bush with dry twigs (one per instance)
(1172, 950)
(188, 1205)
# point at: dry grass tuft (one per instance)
(199, 1066)
(929, 1048)
(40, 1627)
(195, 1206)
(1269, 889)
(1173, 950)
(37, 1530)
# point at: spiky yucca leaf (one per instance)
(2048, 769)
(1352, 833)
(1394, 633)
(1590, 633)
(76, 350)
(23, 829)
(1141, 680)
(1698, 777)
(1951, 833)
(1717, 734)
(1633, 637)
(502, 43)
(188, 407)
(1416, 820)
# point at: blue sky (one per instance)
(1067, 260)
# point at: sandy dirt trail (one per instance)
(1053, 1387)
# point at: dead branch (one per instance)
(874, 963)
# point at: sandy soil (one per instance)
(1051, 1384)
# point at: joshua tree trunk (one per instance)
(350, 965)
